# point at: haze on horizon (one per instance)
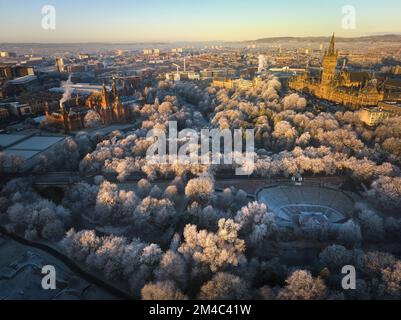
(129, 21)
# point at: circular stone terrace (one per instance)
(302, 203)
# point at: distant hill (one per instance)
(376, 38)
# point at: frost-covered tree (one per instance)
(225, 286)
(92, 119)
(389, 128)
(392, 280)
(384, 271)
(226, 198)
(392, 227)
(165, 290)
(154, 211)
(266, 293)
(116, 257)
(272, 272)
(302, 286)
(114, 206)
(144, 188)
(156, 192)
(107, 257)
(215, 249)
(284, 135)
(173, 267)
(171, 193)
(335, 257)
(241, 197)
(373, 263)
(372, 224)
(387, 190)
(349, 232)
(81, 198)
(200, 189)
(79, 245)
(64, 156)
(10, 163)
(294, 102)
(206, 217)
(303, 140)
(256, 222)
(41, 218)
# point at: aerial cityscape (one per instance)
(190, 150)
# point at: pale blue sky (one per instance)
(191, 20)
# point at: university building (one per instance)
(106, 104)
(353, 89)
(374, 116)
(240, 84)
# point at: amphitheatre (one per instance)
(301, 203)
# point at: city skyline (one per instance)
(200, 150)
(199, 21)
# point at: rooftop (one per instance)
(7, 140)
(26, 146)
(23, 80)
(81, 88)
(37, 143)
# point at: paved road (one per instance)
(249, 184)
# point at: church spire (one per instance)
(114, 87)
(105, 101)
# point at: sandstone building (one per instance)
(353, 89)
(107, 105)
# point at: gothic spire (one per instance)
(332, 50)
(105, 101)
(114, 87)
